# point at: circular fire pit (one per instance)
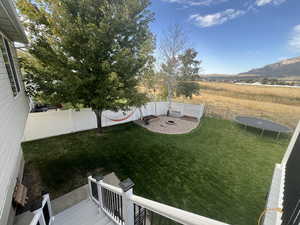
(164, 126)
(171, 122)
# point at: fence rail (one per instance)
(53, 123)
(125, 208)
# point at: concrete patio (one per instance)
(180, 125)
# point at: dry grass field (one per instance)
(281, 104)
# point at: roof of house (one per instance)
(9, 22)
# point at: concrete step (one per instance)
(83, 213)
(24, 218)
(78, 207)
(112, 179)
(70, 199)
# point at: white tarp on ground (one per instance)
(53, 123)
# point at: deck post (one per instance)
(128, 207)
(99, 180)
(90, 187)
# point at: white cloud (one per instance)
(216, 18)
(294, 41)
(265, 2)
(196, 2)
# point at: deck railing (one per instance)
(125, 208)
(108, 198)
(43, 214)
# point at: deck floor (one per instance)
(83, 213)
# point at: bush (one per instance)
(187, 89)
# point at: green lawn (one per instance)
(219, 170)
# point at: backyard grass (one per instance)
(219, 170)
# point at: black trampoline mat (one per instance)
(262, 124)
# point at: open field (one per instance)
(281, 104)
(219, 170)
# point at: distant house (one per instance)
(13, 109)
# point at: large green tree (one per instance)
(149, 79)
(87, 52)
(189, 70)
(190, 65)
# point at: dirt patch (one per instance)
(32, 179)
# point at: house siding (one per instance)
(13, 115)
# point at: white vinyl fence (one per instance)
(53, 123)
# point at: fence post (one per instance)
(128, 207)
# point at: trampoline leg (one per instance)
(262, 132)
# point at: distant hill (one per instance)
(217, 75)
(284, 68)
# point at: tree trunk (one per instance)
(170, 94)
(98, 113)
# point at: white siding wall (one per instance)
(13, 114)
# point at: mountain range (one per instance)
(283, 68)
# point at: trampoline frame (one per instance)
(263, 129)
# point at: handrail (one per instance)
(35, 219)
(39, 216)
(108, 198)
(173, 213)
(112, 188)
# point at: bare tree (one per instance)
(172, 45)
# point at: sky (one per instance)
(233, 36)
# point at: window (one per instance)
(10, 66)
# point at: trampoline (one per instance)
(262, 124)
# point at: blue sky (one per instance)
(233, 36)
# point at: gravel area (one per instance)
(181, 125)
